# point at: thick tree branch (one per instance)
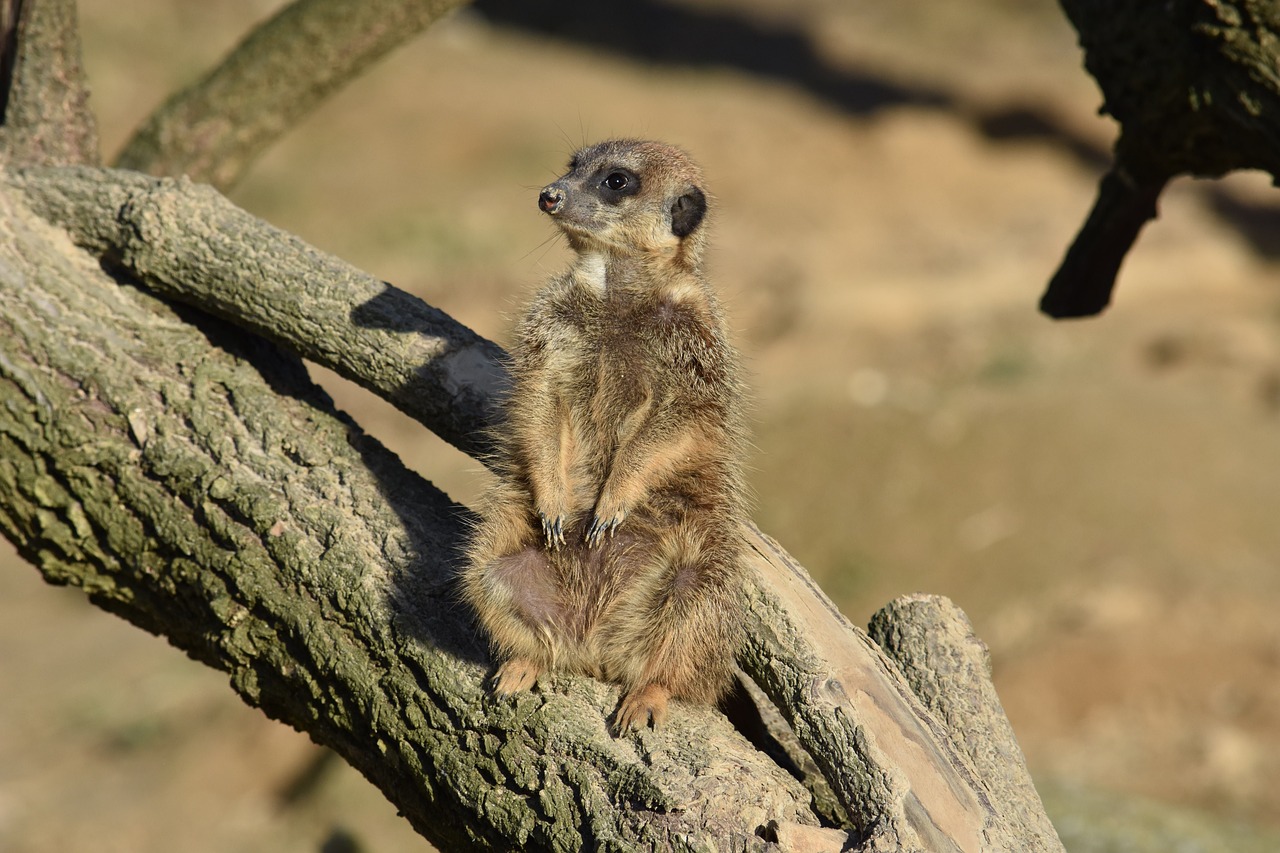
(196, 484)
(44, 100)
(283, 70)
(949, 668)
(895, 768)
(1195, 85)
(188, 242)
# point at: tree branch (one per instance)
(896, 770)
(887, 759)
(199, 486)
(188, 242)
(1195, 85)
(949, 669)
(44, 100)
(1085, 279)
(283, 70)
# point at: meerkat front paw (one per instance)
(609, 515)
(642, 706)
(552, 530)
(515, 675)
(604, 525)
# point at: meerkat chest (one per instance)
(638, 341)
(622, 339)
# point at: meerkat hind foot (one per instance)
(642, 706)
(515, 675)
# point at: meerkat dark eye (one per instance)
(616, 181)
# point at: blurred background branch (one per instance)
(213, 130)
(44, 97)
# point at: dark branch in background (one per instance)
(45, 116)
(1164, 53)
(1195, 85)
(1083, 283)
(283, 70)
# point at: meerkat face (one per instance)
(627, 197)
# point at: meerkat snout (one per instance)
(550, 200)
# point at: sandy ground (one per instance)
(1099, 496)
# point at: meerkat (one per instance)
(610, 544)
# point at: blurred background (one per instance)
(894, 184)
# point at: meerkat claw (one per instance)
(642, 708)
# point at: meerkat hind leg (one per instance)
(522, 611)
(677, 636)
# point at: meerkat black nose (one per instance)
(551, 200)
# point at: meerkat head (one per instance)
(627, 197)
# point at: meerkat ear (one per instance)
(687, 212)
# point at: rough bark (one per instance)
(285, 68)
(949, 669)
(887, 759)
(44, 99)
(897, 771)
(198, 485)
(1195, 85)
(188, 242)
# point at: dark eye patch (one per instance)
(616, 183)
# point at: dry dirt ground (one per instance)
(894, 183)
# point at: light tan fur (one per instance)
(610, 544)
